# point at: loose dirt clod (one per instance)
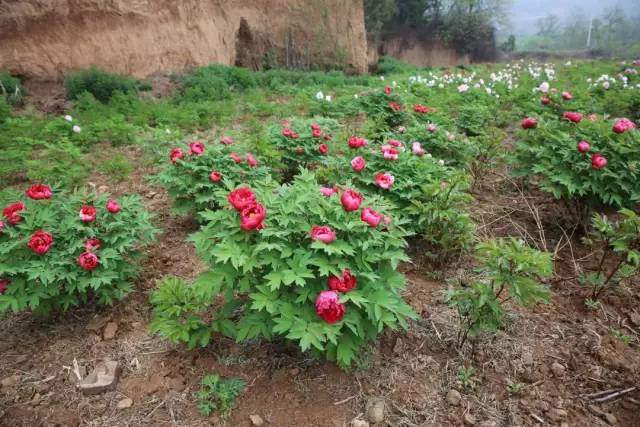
(125, 403)
(11, 381)
(469, 419)
(375, 410)
(557, 369)
(104, 377)
(359, 423)
(110, 330)
(256, 420)
(453, 397)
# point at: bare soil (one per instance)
(413, 371)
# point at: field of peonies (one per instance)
(420, 247)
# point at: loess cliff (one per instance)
(45, 38)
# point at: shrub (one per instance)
(193, 180)
(550, 155)
(11, 90)
(429, 194)
(271, 277)
(100, 84)
(304, 143)
(510, 270)
(618, 246)
(386, 108)
(49, 259)
(390, 65)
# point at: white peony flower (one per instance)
(328, 98)
(68, 118)
(441, 162)
(76, 129)
(544, 87)
(319, 96)
(463, 88)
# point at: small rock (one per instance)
(398, 348)
(125, 403)
(611, 419)
(469, 419)
(635, 318)
(110, 330)
(557, 369)
(527, 358)
(595, 410)
(453, 397)
(11, 381)
(256, 420)
(103, 189)
(375, 410)
(359, 423)
(488, 423)
(104, 377)
(564, 424)
(294, 372)
(556, 414)
(151, 194)
(96, 323)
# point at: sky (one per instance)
(525, 13)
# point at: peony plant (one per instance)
(60, 249)
(591, 161)
(192, 173)
(424, 190)
(304, 143)
(310, 268)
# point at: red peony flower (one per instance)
(241, 198)
(583, 147)
(356, 142)
(92, 244)
(3, 286)
(322, 233)
(567, 96)
(251, 217)
(287, 132)
(251, 161)
(315, 126)
(358, 163)
(623, 125)
(88, 260)
(39, 192)
(572, 116)
(350, 200)
(323, 148)
(113, 206)
(371, 217)
(226, 140)
(598, 161)
(40, 242)
(395, 106)
(196, 148)
(176, 154)
(389, 153)
(545, 100)
(235, 157)
(87, 213)
(384, 180)
(529, 123)
(387, 90)
(342, 284)
(12, 212)
(316, 133)
(329, 307)
(396, 143)
(215, 176)
(418, 108)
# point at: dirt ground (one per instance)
(554, 356)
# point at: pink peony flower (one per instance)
(39, 192)
(226, 140)
(567, 96)
(371, 217)
(598, 161)
(329, 307)
(431, 127)
(416, 148)
(196, 148)
(113, 206)
(88, 260)
(92, 244)
(389, 153)
(252, 216)
(583, 147)
(328, 191)
(235, 157)
(572, 116)
(350, 200)
(251, 161)
(529, 123)
(87, 213)
(241, 198)
(384, 180)
(323, 148)
(323, 234)
(356, 142)
(215, 176)
(176, 154)
(358, 163)
(623, 125)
